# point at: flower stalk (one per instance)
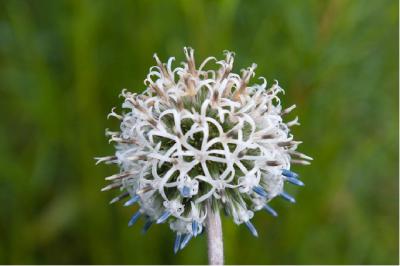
(214, 237)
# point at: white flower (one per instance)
(197, 136)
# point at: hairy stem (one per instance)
(214, 237)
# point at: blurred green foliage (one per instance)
(63, 64)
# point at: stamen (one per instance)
(287, 197)
(268, 136)
(134, 218)
(119, 197)
(177, 242)
(118, 176)
(186, 240)
(252, 229)
(300, 155)
(163, 217)
(260, 191)
(195, 228)
(133, 200)
(289, 173)
(302, 162)
(111, 186)
(270, 210)
(144, 190)
(147, 226)
(289, 143)
(273, 163)
(295, 181)
(106, 159)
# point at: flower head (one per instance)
(197, 136)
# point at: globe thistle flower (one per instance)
(198, 140)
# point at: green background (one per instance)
(63, 64)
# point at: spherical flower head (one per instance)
(199, 136)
